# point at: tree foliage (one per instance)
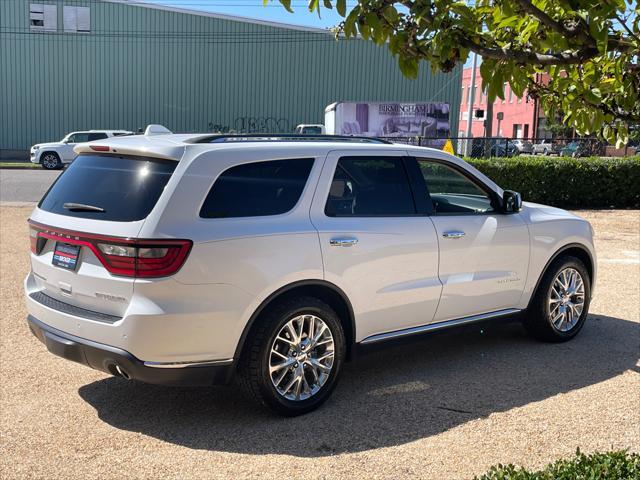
(578, 57)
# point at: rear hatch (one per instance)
(85, 250)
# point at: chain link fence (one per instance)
(478, 147)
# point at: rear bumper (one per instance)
(121, 363)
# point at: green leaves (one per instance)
(579, 57)
(619, 464)
(285, 3)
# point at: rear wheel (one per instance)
(294, 356)
(50, 161)
(560, 306)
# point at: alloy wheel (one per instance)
(50, 161)
(566, 299)
(301, 357)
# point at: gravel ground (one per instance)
(445, 407)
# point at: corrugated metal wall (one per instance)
(188, 72)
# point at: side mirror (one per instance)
(511, 201)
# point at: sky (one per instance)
(273, 11)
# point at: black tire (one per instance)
(50, 161)
(537, 319)
(253, 368)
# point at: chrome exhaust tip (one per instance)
(123, 373)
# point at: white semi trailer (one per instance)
(388, 119)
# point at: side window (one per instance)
(97, 136)
(370, 187)
(452, 192)
(257, 189)
(79, 138)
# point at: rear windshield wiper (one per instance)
(81, 207)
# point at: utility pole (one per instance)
(489, 129)
(471, 99)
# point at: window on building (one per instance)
(77, 19)
(370, 187)
(517, 131)
(510, 94)
(43, 17)
(468, 94)
(257, 189)
(505, 90)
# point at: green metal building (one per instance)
(70, 65)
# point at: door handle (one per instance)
(453, 234)
(343, 242)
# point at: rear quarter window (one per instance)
(125, 188)
(257, 189)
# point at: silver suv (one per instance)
(194, 259)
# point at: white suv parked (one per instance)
(54, 155)
(191, 259)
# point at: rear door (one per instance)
(98, 198)
(377, 245)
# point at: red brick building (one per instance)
(522, 117)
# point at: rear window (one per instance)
(101, 187)
(257, 189)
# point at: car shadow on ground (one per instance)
(392, 397)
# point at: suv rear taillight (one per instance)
(126, 257)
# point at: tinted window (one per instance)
(96, 136)
(126, 188)
(370, 186)
(452, 192)
(257, 189)
(79, 138)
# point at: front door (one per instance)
(375, 245)
(484, 254)
(67, 150)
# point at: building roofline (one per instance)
(221, 16)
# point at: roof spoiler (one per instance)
(156, 130)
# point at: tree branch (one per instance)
(519, 56)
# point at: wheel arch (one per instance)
(326, 291)
(577, 250)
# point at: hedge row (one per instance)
(592, 182)
(619, 465)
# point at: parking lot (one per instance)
(448, 406)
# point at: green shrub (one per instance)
(598, 466)
(568, 182)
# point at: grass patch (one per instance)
(19, 165)
(619, 465)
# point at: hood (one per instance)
(45, 145)
(538, 210)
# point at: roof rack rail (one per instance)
(286, 137)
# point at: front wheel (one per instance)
(50, 161)
(560, 305)
(294, 356)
